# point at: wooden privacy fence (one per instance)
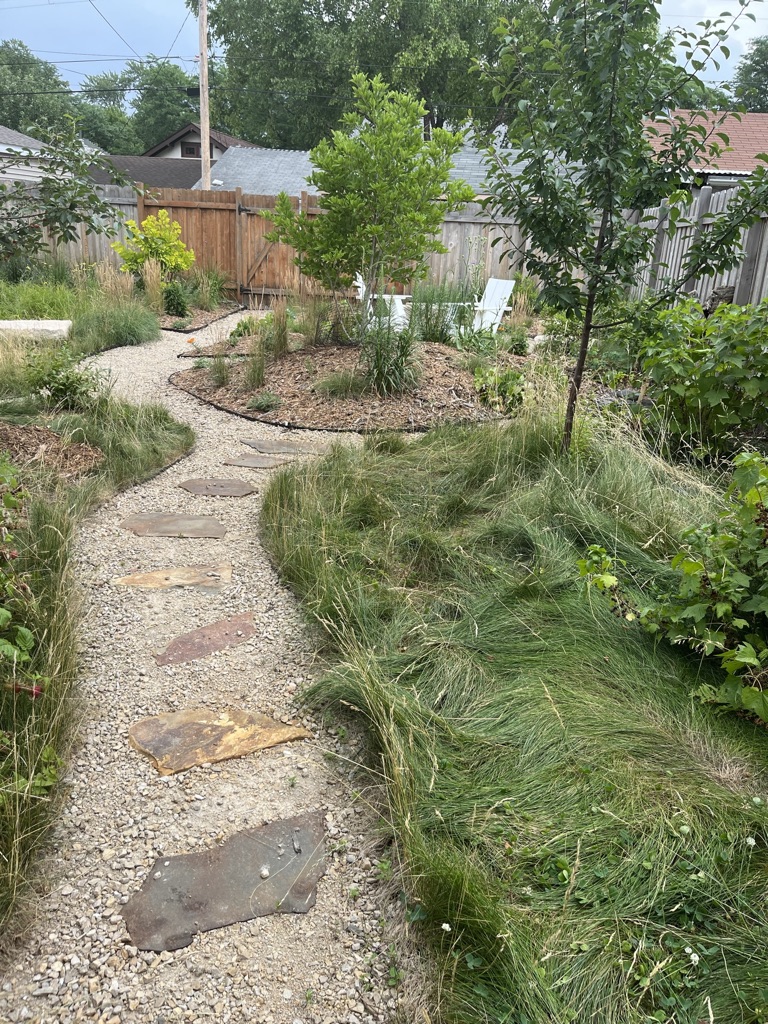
(227, 231)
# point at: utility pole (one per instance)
(205, 116)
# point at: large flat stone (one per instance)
(203, 641)
(57, 330)
(273, 869)
(256, 461)
(165, 524)
(270, 447)
(208, 577)
(216, 487)
(183, 739)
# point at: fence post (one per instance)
(239, 245)
(745, 283)
(702, 209)
(658, 248)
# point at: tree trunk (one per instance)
(578, 371)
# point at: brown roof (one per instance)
(162, 172)
(220, 138)
(747, 136)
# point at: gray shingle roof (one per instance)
(162, 172)
(267, 172)
(9, 137)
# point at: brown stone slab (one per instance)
(273, 869)
(209, 577)
(207, 639)
(165, 524)
(268, 447)
(183, 739)
(218, 487)
(256, 461)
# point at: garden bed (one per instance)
(36, 445)
(445, 392)
(197, 318)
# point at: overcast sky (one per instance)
(76, 36)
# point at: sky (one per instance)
(85, 36)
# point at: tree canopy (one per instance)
(750, 82)
(32, 92)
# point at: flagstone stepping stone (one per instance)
(256, 461)
(273, 869)
(165, 524)
(209, 577)
(207, 639)
(218, 488)
(180, 740)
(269, 447)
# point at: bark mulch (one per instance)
(444, 392)
(197, 319)
(27, 445)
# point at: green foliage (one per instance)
(500, 388)
(109, 127)
(438, 312)
(159, 239)
(267, 401)
(750, 83)
(103, 325)
(219, 372)
(32, 301)
(283, 80)
(208, 288)
(388, 358)
(248, 326)
(710, 374)
(344, 384)
(578, 839)
(576, 156)
(175, 299)
(384, 190)
(34, 93)
(54, 375)
(719, 603)
(255, 365)
(64, 199)
(513, 338)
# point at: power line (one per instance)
(186, 19)
(105, 19)
(53, 3)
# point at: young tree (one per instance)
(63, 199)
(597, 83)
(384, 192)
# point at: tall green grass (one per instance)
(580, 839)
(136, 441)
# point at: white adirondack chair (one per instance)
(398, 313)
(490, 309)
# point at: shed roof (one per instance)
(223, 140)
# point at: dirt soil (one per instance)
(197, 318)
(445, 393)
(28, 444)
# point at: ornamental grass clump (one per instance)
(580, 838)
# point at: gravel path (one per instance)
(326, 967)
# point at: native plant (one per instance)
(384, 191)
(158, 238)
(600, 81)
(62, 199)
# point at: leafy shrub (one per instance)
(55, 376)
(720, 604)
(710, 374)
(267, 401)
(514, 338)
(246, 327)
(175, 301)
(159, 239)
(499, 388)
(104, 326)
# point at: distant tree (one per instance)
(286, 72)
(750, 83)
(109, 127)
(32, 92)
(106, 88)
(162, 99)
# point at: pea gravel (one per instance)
(330, 966)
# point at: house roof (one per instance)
(747, 136)
(9, 138)
(267, 172)
(152, 170)
(222, 139)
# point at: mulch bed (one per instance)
(445, 392)
(197, 319)
(28, 445)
